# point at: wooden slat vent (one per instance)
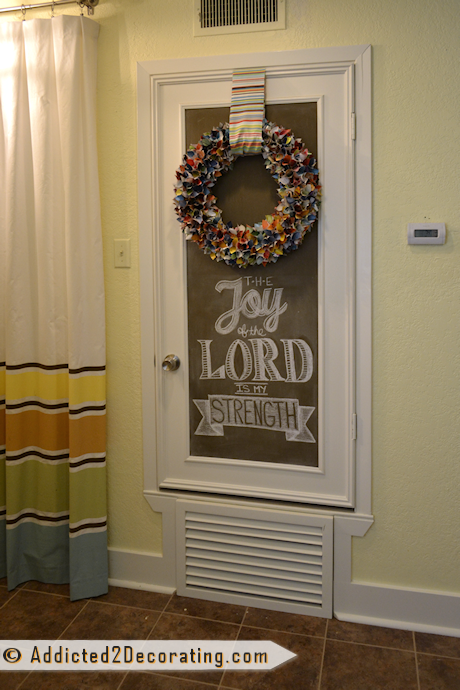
(278, 561)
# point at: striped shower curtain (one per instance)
(52, 332)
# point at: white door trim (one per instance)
(312, 60)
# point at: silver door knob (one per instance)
(171, 363)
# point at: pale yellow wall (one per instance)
(416, 323)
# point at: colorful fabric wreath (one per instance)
(291, 165)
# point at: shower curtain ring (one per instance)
(52, 10)
(23, 10)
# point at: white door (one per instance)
(240, 416)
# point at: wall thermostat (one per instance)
(426, 233)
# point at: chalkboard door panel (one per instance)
(262, 403)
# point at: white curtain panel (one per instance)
(52, 320)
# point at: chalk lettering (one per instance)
(206, 368)
(230, 361)
(261, 361)
(252, 305)
(306, 354)
(260, 281)
(216, 405)
(265, 351)
(252, 330)
(273, 414)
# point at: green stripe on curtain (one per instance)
(52, 310)
(87, 495)
(34, 486)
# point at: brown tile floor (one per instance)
(331, 655)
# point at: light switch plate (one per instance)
(122, 253)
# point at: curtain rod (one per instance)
(90, 4)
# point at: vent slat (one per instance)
(305, 575)
(262, 558)
(253, 542)
(256, 532)
(259, 579)
(250, 551)
(262, 592)
(263, 524)
(233, 13)
(272, 561)
(314, 563)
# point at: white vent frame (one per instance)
(255, 545)
(198, 30)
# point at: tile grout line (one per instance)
(438, 655)
(153, 626)
(122, 680)
(279, 630)
(15, 593)
(131, 607)
(237, 636)
(183, 681)
(164, 674)
(160, 616)
(48, 594)
(168, 602)
(211, 620)
(73, 619)
(322, 656)
(19, 589)
(376, 646)
(138, 608)
(161, 612)
(181, 615)
(126, 606)
(291, 632)
(416, 661)
(23, 680)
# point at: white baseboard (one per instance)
(147, 571)
(392, 607)
(356, 602)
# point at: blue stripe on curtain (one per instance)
(85, 550)
(38, 553)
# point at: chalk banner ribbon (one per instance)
(255, 412)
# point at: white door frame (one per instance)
(151, 73)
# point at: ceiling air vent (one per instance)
(238, 16)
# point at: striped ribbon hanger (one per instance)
(247, 111)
